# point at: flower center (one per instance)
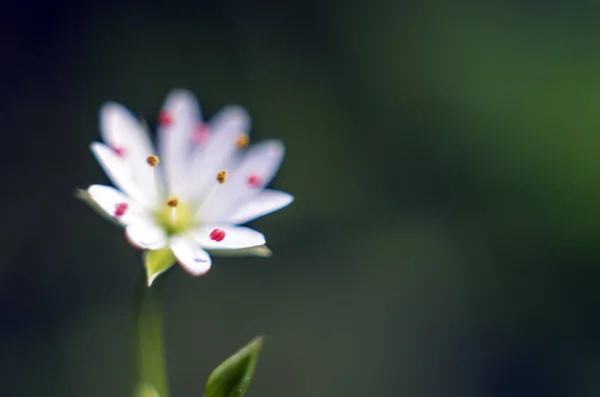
(175, 217)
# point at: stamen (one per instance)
(152, 174)
(222, 177)
(165, 119)
(217, 235)
(255, 181)
(173, 202)
(200, 133)
(242, 141)
(152, 160)
(120, 209)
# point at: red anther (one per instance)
(119, 151)
(254, 181)
(200, 133)
(217, 235)
(120, 210)
(165, 118)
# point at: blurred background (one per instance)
(445, 236)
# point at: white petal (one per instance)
(175, 138)
(124, 134)
(120, 129)
(225, 128)
(116, 170)
(262, 204)
(190, 256)
(146, 235)
(236, 237)
(261, 161)
(119, 172)
(108, 198)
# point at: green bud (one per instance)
(233, 376)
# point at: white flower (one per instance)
(189, 196)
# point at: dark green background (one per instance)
(445, 161)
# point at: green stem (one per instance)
(151, 376)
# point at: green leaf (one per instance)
(157, 262)
(233, 376)
(261, 251)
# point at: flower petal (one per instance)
(146, 235)
(175, 136)
(121, 175)
(116, 170)
(190, 256)
(109, 199)
(260, 162)
(129, 140)
(121, 130)
(262, 204)
(235, 237)
(225, 129)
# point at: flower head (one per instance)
(188, 196)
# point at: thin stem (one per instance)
(148, 343)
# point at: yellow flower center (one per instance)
(175, 219)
